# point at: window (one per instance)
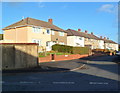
(36, 29)
(86, 39)
(61, 33)
(53, 33)
(47, 43)
(48, 31)
(62, 43)
(39, 29)
(80, 38)
(36, 41)
(54, 42)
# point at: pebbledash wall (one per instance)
(61, 57)
(19, 55)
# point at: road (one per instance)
(99, 74)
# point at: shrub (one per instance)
(70, 49)
(80, 50)
(62, 48)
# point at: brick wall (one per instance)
(61, 57)
(45, 59)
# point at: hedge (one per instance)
(80, 50)
(62, 48)
(70, 49)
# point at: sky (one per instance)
(101, 18)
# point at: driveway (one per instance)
(99, 74)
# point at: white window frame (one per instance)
(39, 29)
(80, 38)
(47, 44)
(53, 32)
(36, 29)
(61, 33)
(62, 43)
(37, 41)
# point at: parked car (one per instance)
(118, 53)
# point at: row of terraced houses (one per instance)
(46, 34)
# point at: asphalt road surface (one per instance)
(99, 74)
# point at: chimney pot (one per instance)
(79, 29)
(91, 33)
(86, 31)
(104, 37)
(50, 21)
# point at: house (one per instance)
(31, 30)
(74, 38)
(93, 41)
(109, 44)
(81, 39)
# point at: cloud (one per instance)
(109, 8)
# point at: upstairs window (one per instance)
(80, 38)
(36, 29)
(61, 33)
(48, 31)
(53, 32)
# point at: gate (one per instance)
(53, 56)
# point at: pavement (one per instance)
(59, 66)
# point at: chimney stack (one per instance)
(104, 37)
(108, 38)
(86, 31)
(50, 21)
(91, 33)
(100, 37)
(79, 29)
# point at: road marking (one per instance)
(100, 62)
(77, 68)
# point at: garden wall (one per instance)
(19, 55)
(61, 57)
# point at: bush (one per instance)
(100, 50)
(42, 54)
(70, 49)
(80, 50)
(62, 48)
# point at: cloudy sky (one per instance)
(97, 17)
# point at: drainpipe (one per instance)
(15, 35)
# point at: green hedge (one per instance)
(70, 49)
(62, 48)
(80, 50)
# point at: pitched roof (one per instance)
(71, 32)
(109, 41)
(35, 22)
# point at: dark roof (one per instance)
(109, 41)
(71, 32)
(34, 22)
(1, 36)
